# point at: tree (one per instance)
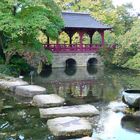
(21, 24)
(118, 17)
(128, 52)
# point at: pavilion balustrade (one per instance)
(78, 48)
(75, 48)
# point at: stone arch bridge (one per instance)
(82, 59)
(79, 53)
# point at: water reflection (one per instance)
(72, 82)
(86, 85)
(70, 70)
(92, 69)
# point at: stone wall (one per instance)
(59, 59)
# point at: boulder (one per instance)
(83, 138)
(75, 110)
(29, 90)
(131, 123)
(117, 106)
(50, 100)
(88, 138)
(131, 98)
(69, 127)
(12, 84)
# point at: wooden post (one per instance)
(48, 40)
(70, 34)
(90, 38)
(70, 41)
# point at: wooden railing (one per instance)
(75, 48)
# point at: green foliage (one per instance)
(9, 70)
(133, 63)
(129, 46)
(21, 23)
(107, 54)
(1, 60)
(20, 64)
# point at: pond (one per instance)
(98, 86)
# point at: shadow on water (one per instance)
(47, 71)
(92, 69)
(131, 123)
(70, 70)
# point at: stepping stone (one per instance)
(83, 138)
(88, 138)
(12, 84)
(76, 110)
(48, 100)
(29, 90)
(69, 127)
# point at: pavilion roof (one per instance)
(82, 21)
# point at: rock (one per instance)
(131, 98)
(136, 114)
(69, 127)
(131, 123)
(29, 90)
(76, 110)
(12, 84)
(88, 138)
(48, 100)
(85, 138)
(117, 106)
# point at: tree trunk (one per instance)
(1, 49)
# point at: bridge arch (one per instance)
(70, 62)
(92, 61)
(74, 59)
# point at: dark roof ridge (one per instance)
(71, 12)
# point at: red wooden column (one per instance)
(81, 34)
(102, 37)
(70, 34)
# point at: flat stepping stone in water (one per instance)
(29, 90)
(50, 100)
(69, 127)
(12, 84)
(76, 110)
(83, 138)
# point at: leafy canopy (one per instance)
(21, 24)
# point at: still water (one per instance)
(98, 86)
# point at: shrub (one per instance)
(20, 64)
(8, 70)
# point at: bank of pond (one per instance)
(98, 91)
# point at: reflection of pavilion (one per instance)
(80, 84)
(74, 88)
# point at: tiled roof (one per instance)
(82, 20)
